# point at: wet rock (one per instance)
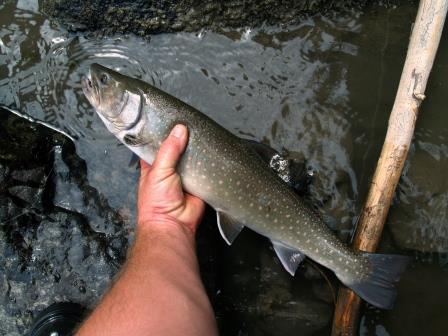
(28, 194)
(59, 238)
(147, 17)
(35, 175)
(4, 174)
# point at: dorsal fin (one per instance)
(264, 151)
(294, 173)
(228, 227)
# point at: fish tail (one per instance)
(378, 286)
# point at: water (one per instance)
(322, 90)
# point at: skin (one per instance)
(159, 290)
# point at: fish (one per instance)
(230, 175)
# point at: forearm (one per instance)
(159, 291)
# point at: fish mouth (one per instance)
(90, 90)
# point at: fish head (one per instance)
(118, 100)
(115, 97)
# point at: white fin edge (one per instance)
(289, 257)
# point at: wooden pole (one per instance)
(422, 49)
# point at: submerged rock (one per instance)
(59, 238)
(148, 17)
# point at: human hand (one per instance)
(161, 200)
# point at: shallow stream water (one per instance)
(321, 90)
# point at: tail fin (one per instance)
(378, 287)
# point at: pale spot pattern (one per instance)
(230, 176)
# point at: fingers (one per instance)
(172, 148)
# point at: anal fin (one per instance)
(289, 257)
(228, 227)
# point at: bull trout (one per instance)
(230, 175)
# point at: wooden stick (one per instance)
(422, 49)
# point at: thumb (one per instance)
(172, 148)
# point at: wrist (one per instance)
(163, 228)
(163, 242)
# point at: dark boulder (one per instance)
(143, 17)
(59, 238)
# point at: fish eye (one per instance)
(104, 79)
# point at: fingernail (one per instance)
(178, 131)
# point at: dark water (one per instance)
(321, 90)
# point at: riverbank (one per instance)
(151, 17)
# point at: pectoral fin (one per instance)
(289, 257)
(134, 161)
(228, 227)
